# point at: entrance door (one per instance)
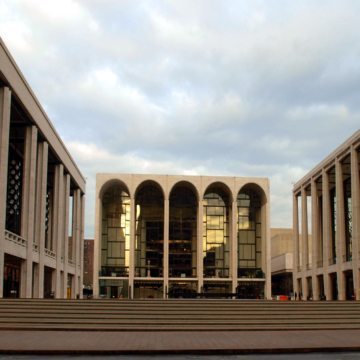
(334, 287)
(349, 285)
(12, 271)
(11, 281)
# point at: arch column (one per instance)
(234, 246)
(200, 230)
(166, 247)
(5, 104)
(132, 246)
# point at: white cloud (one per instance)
(248, 88)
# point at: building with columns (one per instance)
(326, 204)
(159, 236)
(41, 197)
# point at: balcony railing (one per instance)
(251, 273)
(17, 239)
(114, 271)
(50, 253)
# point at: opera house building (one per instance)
(41, 197)
(163, 236)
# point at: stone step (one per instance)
(172, 315)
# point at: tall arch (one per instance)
(250, 226)
(149, 238)
(216, 235)
(115, 229)
(183, 230)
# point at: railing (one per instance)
(15, 238)
(116, 271)
(50, 253)
(36, 247)
(178, 272)
(347, 258)
(255, 273)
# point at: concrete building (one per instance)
(169, 236)
(326, 204)
(281, 261)
(41, 197)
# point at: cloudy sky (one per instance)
(208, 87)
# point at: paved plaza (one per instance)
(177, 342)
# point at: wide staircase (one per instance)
(176, 315)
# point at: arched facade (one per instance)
(182, 236)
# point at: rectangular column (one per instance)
(305, 243)
(57, 235)
(166, 247)
(28, 204)
(296, 254)
(355, 203)
(340, 228)
(40, 212)
(234, 246)
(5, 104)
(200, 227)
(65, 239)
(76, 236)
(326, 232)
(315, 238)
(81, 263)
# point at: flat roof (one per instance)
(341, 150)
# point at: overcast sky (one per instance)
(238, 88)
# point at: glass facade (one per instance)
(216, 245)
(249, 234)
(182, 232)
(149, 246)
(114, 288)
(115, 245)
(178, 244)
